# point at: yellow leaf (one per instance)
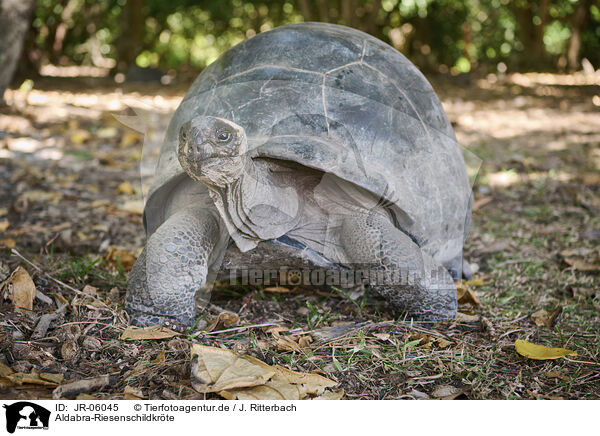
(130, 138)
(79, 136)
(540, 352)
(23, 290)
(107, 132)
(133, 333)
(125, 188)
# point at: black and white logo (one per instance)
(26, 415)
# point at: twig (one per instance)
(235, 329)
(64, 285)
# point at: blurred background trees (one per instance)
(183, 36)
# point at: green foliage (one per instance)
(449, 35)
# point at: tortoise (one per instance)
(311, 146)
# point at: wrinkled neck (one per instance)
(228, 173)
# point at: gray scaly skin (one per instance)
(171, 268)
(213, 151)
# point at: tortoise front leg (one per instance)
(408, 278)
(172, 267)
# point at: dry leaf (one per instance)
(540, 352)
(287, 344)
(226, 319)
(465, 294)
(160, 358)
(133, 206)
(107, 132)
(382, 336)
(125, 188)
(331, 395)
(277, 289)
(245, 377)
(116, 256)
(542, 318)
(23, 290)
(305, 341)
(582, 259)
(90, 290)
(446, 392)
(8, 243)
(216, 369)
(130, 138)
(131, 393)
(4, 225)
(51, 377)
(18, 378)
(5, 370)
(133, 333)
(276, 331)
(79, 136)
(443, 343)
(478, 204)
(464, 317)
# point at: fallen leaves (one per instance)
(540, 352)
(244, 377)
(465, 294)
(21, 289)
(582, 259)
(226, 319)
(125, 188)
(9, 376)
(543, 318)
(133, 333)
(119, 256)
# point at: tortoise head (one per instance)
(212, 150)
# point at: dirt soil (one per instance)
(70, 216)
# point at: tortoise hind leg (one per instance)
(406, 276)
(172, 267)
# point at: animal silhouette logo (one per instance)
(24, 414)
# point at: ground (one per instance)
(70, 216)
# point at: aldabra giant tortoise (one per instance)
(310, 145)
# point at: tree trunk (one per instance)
(539, 29)
(349, 12)
(305, 9)
(132, 33)
(323, 10)
(371, 19)
(14, 22)
(579, 20)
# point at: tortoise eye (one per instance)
(183, 136)
(223, 136)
